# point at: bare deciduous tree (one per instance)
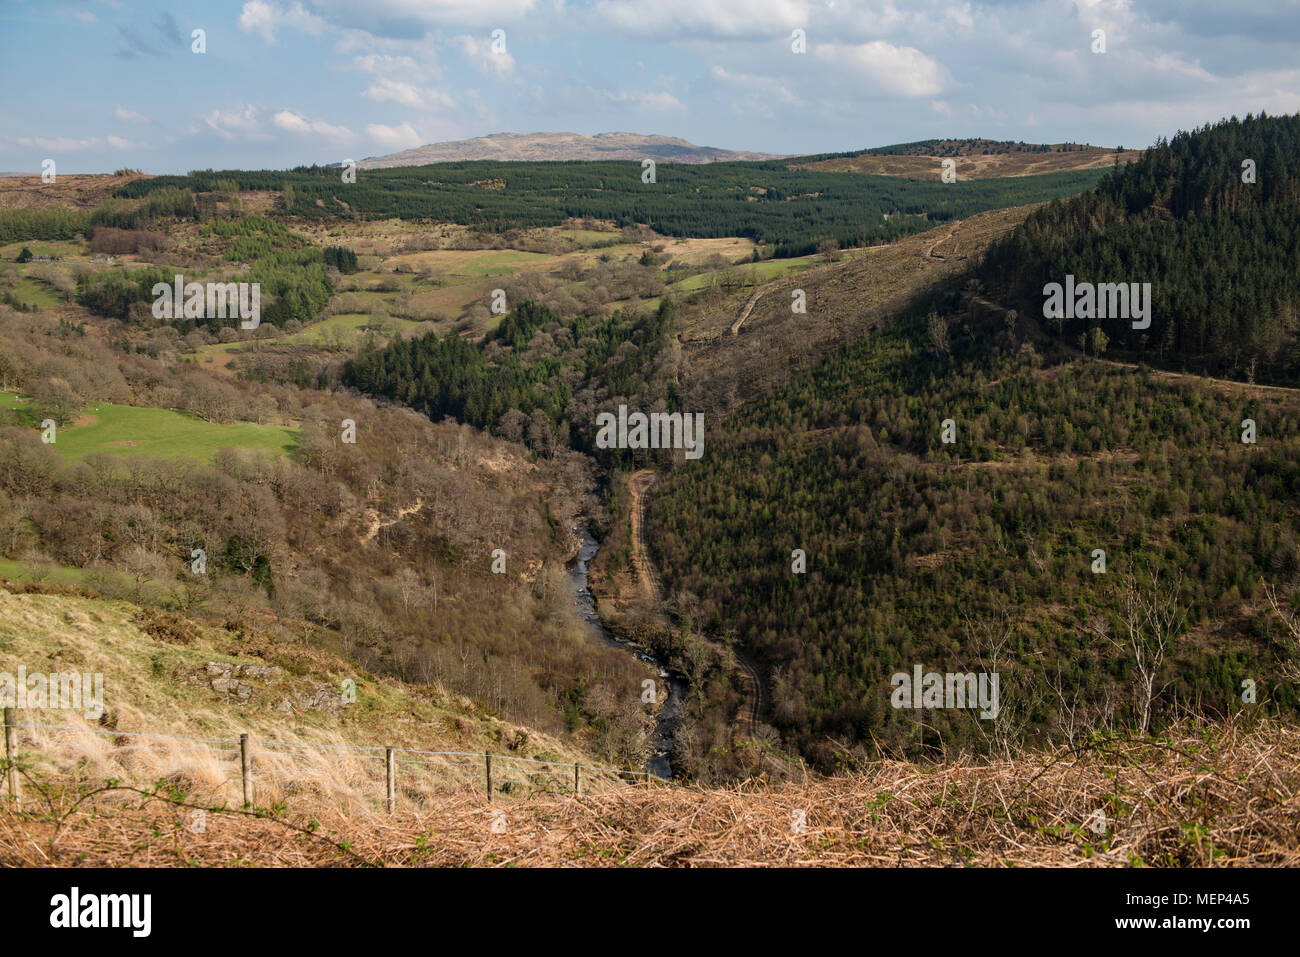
(1291, 622)
(936, 327)
(1152, 619)
(1018, 694)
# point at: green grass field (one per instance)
(159, 433)
(342, 331)
(501, 263)
(33, 292)
(346, 328)
(54, 574)
(760, 272)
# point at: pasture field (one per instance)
(337, 333)
(33, 292)
(26, 572)
(126, 431)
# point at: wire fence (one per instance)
(269, 772)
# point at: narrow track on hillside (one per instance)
(929, 252)
(754, 697)
(749, 307)
(1044, 339)
(639, 484)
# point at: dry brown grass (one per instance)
(975, 165)
(845, 301)
(165, 720)
(68, 191)
(1223, 796)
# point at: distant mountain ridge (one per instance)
(540, 147)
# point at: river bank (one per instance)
(670, 684)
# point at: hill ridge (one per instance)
(560, 146)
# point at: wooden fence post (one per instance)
(391, 774)
(11, 753)
(487, 763)
(576, 790)
(246, 767)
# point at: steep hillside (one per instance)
(420, 550)
(980, 554)
(177, 692)
(726, 364)
(68, 191)
(974, 159)
(1211, 221)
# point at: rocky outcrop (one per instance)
(239, 681)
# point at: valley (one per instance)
(405, 475)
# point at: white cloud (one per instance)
(409, 95)
(383, 64)
(486, 55)
(411, 17)
(704, 19)
(896, 70)
(330, 131)
(260, 17)
(129, 116)
(296, 123)
(766, 88)
(395, 137)
(232, 124)
(646, 101)
(117, 143)
(291, 122)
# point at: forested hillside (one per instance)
(1211, 219)
(536, 378)
(979, 555)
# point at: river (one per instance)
(660, 763)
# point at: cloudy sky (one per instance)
(103, 84)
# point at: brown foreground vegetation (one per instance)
(1211, 795)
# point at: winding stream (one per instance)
(660, 763)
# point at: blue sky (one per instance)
(102, 84)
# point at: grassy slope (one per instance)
(33, 292)
(154, 668)
(160, 433)
(844, 301)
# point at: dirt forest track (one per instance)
(746, 344)
(754, 702)
(929, 250)
(1031, 326)
(744, 313)
(639, 485)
